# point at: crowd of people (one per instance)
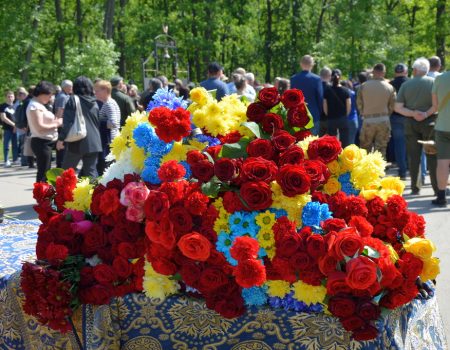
(395, 117)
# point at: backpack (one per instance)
(20, 115)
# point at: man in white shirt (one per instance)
(435, 66)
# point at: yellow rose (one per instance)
(393, 254)
(332, 186)
(199, 95)
(351, 155)
(368, 195)
(393, 183)
(430, 269)
(334, 167)
(420, 247)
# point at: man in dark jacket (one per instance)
(124, 101)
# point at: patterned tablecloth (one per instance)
(136, 322)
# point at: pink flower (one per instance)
(81, 226)
(76, 215)
(135, 194)
(135, 213)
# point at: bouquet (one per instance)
(236, 204)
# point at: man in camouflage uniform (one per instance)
(376, 101)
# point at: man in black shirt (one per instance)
(397, 122)
(9, 128)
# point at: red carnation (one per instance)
(256, 195)
(231, 137)
(258, 169)
(175, 191)
(361, 224)
(260, 148)
(171, 171)
(250, 273)
(232, 202)
(327, 148)
(256, 112)
(269, 97)
(244, 248)
(298, 116)
(292, 98)
(194, 156)
(109, 201)
(293, 180)
(272, 122)
(196, 203)
(56, 253)
(170, 125)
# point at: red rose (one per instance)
(244, 248)
(196, 203)
(272, 122)
(269, 97)
(181, 219)
(400, 296)
(104, 274)
(164, 266)
(190, 273)
(333, 225)
(250, 273)
(352, 322)
(194, 157)
(293, 180)
(122, 267)
(94, 239)
(341, 306)
(161, 232)
(298, 116)
(258, 169)
(256, 112)
(231, 137)
(300, 261)
(327, 148)
(302, 134)
(317, 171)
(368, 310)
(327, 264)
(232, 202)
(211, 279)
(366, 332)
(42, 191)
(281, 140)
(292, 98)
(293, 155)
(260, 148)
(228, 303)
(287, 245)
(315, 246)
(203, 170)
(225, 169)
(214, 151)
(336, 283)
(347, 243)
(56, 253)
(256, 195)
(126, 250)
(109, 201)
(195, 246)
(171, 171)
(155, 205)
(361, 273)
(361, 224)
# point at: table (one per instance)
(136, 322)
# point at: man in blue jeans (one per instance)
(311, 85)
(9, 128)
(398, 122)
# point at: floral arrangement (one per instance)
(236, 204)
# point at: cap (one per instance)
(400, 68)
(116, 80)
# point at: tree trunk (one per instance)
(61, 37)
(121, 38)
(29, 52)
(294, 34)
(320, 21)
(441, 27)
(79, 23)
(411, 31)
(108, 21)
(268, 43)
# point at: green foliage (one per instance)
(347, 34)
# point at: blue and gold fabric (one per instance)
(136, 323)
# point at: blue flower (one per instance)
(212, 141)
(278, 212)
(143, 134)
(235, 220)
(290, 303)
(166, 98)
(255, 296)
(314, 213)
(224, 242)
(346, 185)
(158, 147)
(262, 253)
(187, 167)
(231, 260)
(152, 161)
(150, 174)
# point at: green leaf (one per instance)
(405, 238)
(236, 150)
(370, 252)
(213, 93)
(212, 188)
(52, 174)
(253, 127)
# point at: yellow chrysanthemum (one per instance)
(82, 196)
(430, 269)
(368, 195)
(157, 285)
(271, 252)
(265, 220)
(292, 205)
(132, 122)
(350, 156)
(368, 171)
(334, 167)
(138, 156)
(200, 96)
(309, 294)
(304, 144)
(266, 238)
(278, 288)
(393, 183)
(332, 186)
(117, 146)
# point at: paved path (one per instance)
(16, 196)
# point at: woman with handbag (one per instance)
(87, 145)
(43, 127)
